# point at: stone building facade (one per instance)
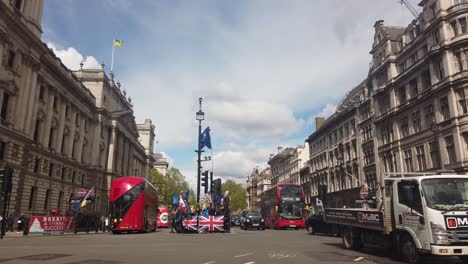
(56, 130)
(287, 163)
(161, 164)
(411, 113)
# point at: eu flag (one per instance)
(205, 139)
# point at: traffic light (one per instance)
(6, 175)
(204, 180)
(217, 187)
(212, 185)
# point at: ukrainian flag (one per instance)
(118, 43)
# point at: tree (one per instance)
(172, 182)
(237, 194)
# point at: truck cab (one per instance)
(429, 214)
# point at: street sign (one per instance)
(364, 192)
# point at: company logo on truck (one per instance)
(368, 217)
(453, 222)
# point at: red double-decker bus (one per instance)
(133, 203)
(283, 206)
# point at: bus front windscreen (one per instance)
(291, 205)
(121, 206)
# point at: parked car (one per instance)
(235, 220)
(315, 224)
(251, 219)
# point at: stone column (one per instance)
(79, 148)
(71, 136)
(112, 151)
(48, 121)
(25, 82)
(29, 127)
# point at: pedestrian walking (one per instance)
(21, 222)
(172, 218)
(227, 220)
(10, 222)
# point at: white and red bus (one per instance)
(133, 203)
(283, 206)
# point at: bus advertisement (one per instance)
(283, 206)
(133, 205)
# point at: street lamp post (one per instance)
(200, 116)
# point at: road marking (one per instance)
(358, 259)
(243, 255)
(249, 263)
(211, 262)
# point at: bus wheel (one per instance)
(408, 250)
(348, 240)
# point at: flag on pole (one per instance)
(88, 194)
(118, 43)
(205, 139)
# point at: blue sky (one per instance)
(264, 68)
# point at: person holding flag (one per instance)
(85, 198)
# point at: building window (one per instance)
(64, 142)
(41, 92)
(4, 109)
(60, 200)
(37, 165)
(421, 157)
(2, 149)
(66, 111)
(439, 68)
(434, 151)
(413, 84)
(462, 101)
(429, 115)
(384, 102)
(404, 129)
(18, 4)
(64, 171)
(444, 108)
(73, 176)
(408, 161)
(55, 103)
(454, 27)
(435, 36)
(401, 94)
(47, 199)
(462, 22)
(51, 169)
(37, 128)
(82, 179)
(450, 149)
(51, 137)
(32, 197)
(416, 121)
(426, 80)
(387, 133)
(11, 58)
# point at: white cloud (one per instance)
(71, 58)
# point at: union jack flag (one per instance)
(191, 224)
(212, 223)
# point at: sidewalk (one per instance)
(16, 235)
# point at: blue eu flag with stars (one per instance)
(205, 139)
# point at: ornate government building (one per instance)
(409, 115)
(61, 130)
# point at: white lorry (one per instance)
(416, 214)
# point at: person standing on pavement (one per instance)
(21, 221)
(10, 220)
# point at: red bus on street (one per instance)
(283, 206)
(133, 203)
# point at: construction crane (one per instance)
(410, 7)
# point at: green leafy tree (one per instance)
(172, 182)
(237, 195)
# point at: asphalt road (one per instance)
(238, 247)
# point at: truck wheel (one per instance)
(310, 230)
(408, 251)
(347, 239)
(464, 259)
(351, 240)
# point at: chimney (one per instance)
(319, 122)
(280, 149)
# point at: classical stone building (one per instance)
(335, 150)
(263, 183)
(161, 163)
(59, 130)
(411, 113)
(287, 163)
(251, 189)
